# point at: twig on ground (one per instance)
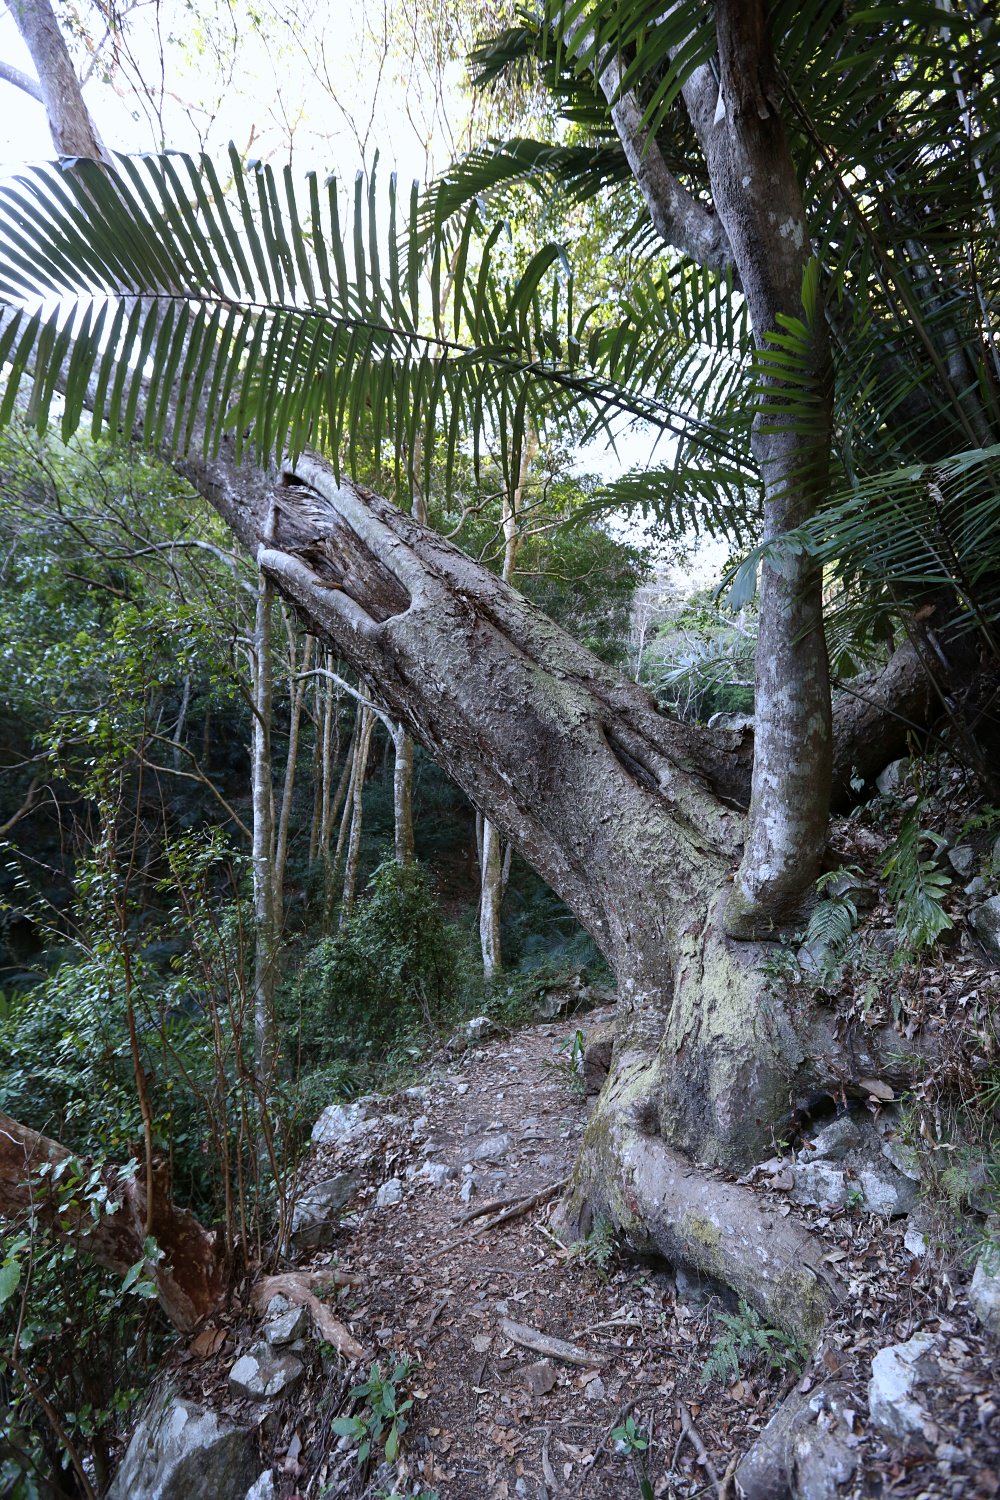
(513, 1212)
(690, 1431)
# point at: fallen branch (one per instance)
(294, 1286)
(514, 1212)
(690, 1431)
(544, 1343)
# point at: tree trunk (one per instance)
(402, 795)
(262, 794)
(356, 809)
(626, 814)
(298, 682)
(191, 1280)
(756, 192)
(490, 898)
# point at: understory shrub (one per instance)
(391, 972)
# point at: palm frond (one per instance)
(152, 291)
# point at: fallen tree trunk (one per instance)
(191, 1279)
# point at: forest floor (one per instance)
(492, 1419)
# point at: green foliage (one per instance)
(631, 1441)
(831, 922)
(568, 1066)
(916, 885)
(389, 970)
(597, 1249)
(382, 1420)
(293, 332)
(744, 1343)
(85, 1363)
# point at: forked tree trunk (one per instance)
(630, 817)
(192, 1278)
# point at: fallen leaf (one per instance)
(208, 1342)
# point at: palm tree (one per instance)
(832, 268)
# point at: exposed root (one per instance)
(661, 1202)
(296, 1287)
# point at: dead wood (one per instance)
(545, 1343)
(514, 1212)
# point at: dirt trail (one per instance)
(493, 1420)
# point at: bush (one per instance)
(391, 970)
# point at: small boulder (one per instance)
(437, 1173)
(472, 1032)
(833, 1141)
(890, 781)
(286, 1326)
(492, 1148)
(807, 1449)
(181, 1451)
(887, 1191)
(262, 1488)
(338, 1120)
(894, 1391)
(315, 1215)
(539, 1378)
(820, 1184)
(389, 1193)
(263, 1374)
(985, 921)
(739, 722)
(962, 858)
(984, 1293)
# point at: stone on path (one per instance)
(492, 1148)
(539, 1378)
(315, 1214)
(984, 1293)
(389, 1193)
(264, 1373)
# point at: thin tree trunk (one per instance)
(491, 854)
(757, 195)
(402, 795)
(297, 694)
(365, 727)
(262, 793)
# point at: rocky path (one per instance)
(550, 1373)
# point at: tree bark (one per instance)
(191, 1280)
(73, 131)
(758, 198)
(402, 795)
(262, 796)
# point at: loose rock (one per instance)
(314, 1217)
(493, 1148)
(984, 1293)
(894, 1390)
(539, 1378)
(263, 1488)
(985, 920)
(263, 1374)
(389, 1193)
(286, 1326)
(181, 1451)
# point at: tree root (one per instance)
(664, 1204)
